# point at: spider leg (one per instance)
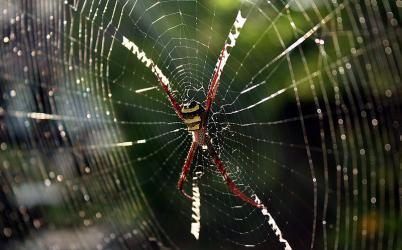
(163, 80)
(186, 168)
(224, 55)
(215, 80)
(232, 186)
(165, 87)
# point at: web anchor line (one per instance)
(273, 224)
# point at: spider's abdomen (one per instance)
(193, 115)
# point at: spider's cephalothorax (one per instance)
(193, 116)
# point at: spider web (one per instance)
(306, 119)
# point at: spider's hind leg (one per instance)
(186, 168)
(232, 186)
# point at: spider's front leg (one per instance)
(223, 57)
(165, 87)
(232, 186)
(186, 168)
(163, 80)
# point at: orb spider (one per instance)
(195, 116)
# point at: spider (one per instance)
(195, 116)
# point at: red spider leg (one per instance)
(230, 42)
(186, 168)
(232, 186)
(215, 82)
(133, 48)
(172, 100)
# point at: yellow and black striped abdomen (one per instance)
(193, 114)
